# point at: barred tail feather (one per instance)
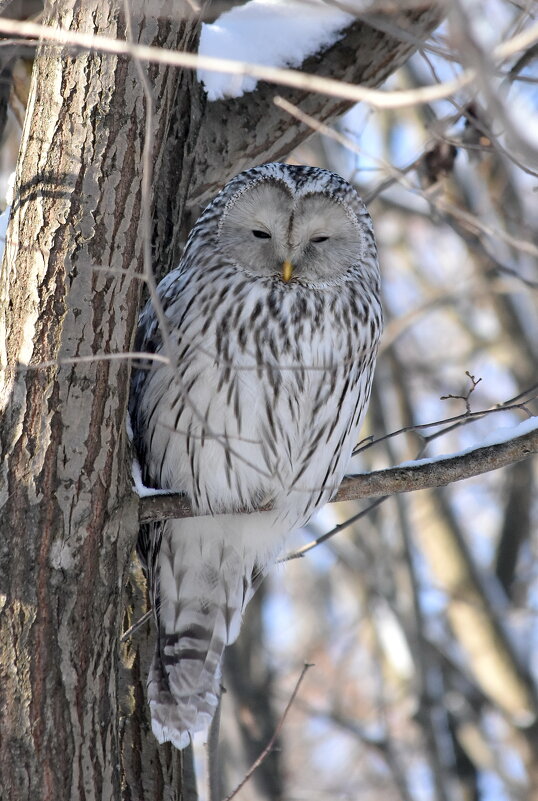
(184, 684)
(202, 591)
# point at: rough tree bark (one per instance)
(69, 289)
(68, 516)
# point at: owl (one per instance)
(273, 318)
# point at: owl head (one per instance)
(291, 224)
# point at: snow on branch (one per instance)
(270, 33)
(502, 448)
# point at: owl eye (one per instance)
(317, 239)
(261, 234)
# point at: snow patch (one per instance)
(496, 437)
(273, 33)
(136, 471)
(4, 217)
(4, 220)
(138, 485)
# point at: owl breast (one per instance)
(268, 394)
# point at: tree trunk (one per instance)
(68, 516)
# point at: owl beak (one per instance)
(287, 269)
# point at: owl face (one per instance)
(270, 230)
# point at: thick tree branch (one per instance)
(386, 482)
(249, 130)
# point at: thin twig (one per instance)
(397, 175)
(506, 406)
(91, 359)
(146, 202)
(465, 398)
(284, 77)
(300, 552)
(400, 176)
(472, 223)
(136, 626)
(270, 745)
(213, 766)
(146, 185)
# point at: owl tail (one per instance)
(204, 586)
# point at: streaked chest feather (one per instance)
(268, 391)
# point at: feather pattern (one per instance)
(261, 403)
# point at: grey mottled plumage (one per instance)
(274, 319)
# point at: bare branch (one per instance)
(136, 626)
(270, 745)
(385, 482)
(284, 77)
(309, 546)
(465, 398)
